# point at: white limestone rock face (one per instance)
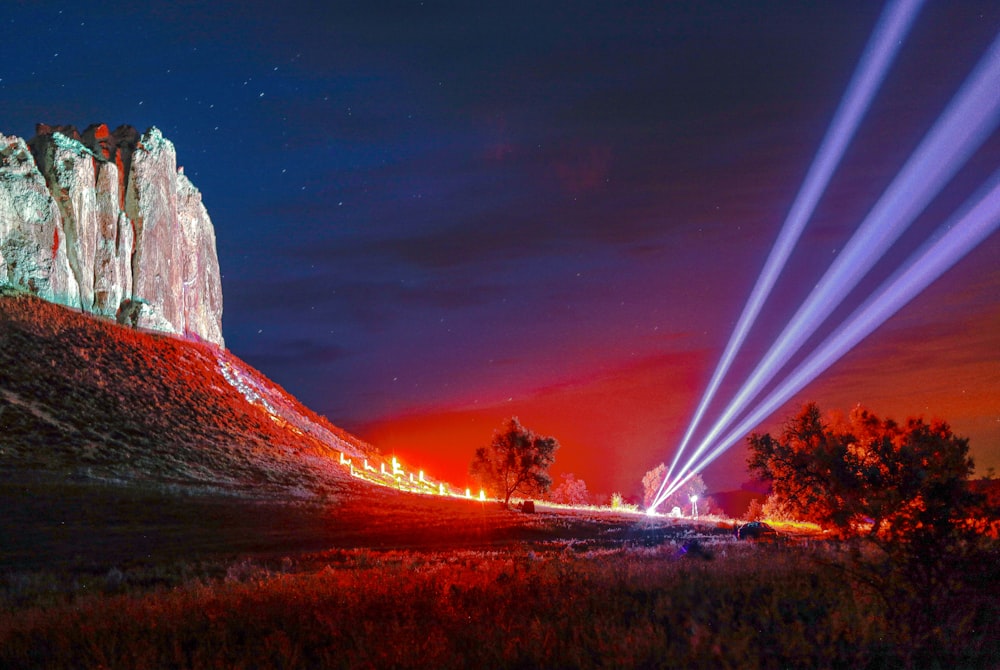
(202, 294)
(68, 169)
(33, 253)
(108, 224)
(151, 204)
(113, 258)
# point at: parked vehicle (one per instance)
(756, 530)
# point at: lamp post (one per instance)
(694, 505)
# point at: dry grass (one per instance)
(749, 607)
(396, 580)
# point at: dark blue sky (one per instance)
(431, 213)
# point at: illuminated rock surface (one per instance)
(106, 222)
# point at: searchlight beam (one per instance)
(978, 219)
(969, 119)
(891, 29)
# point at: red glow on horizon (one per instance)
(608, 425)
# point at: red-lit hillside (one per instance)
(84, 397)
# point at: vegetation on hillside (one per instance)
(82, 396)
(122, 576)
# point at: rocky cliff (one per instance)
(106, 222)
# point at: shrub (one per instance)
(571, 491)
(754, 511)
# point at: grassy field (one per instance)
(143, 579)
(553, 606)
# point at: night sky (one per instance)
(434, 215)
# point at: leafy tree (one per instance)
(900, 490)
(571, 491)
(651, 482)
(755, 511)
(516, 461)
(777, 509)
(869, 476)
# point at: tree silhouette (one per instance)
(516, 461)
(868, 476)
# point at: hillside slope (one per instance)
(84, 397)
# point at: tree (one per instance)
(651, 481)
(901, 491)
(867, 476)
(571, 491)
(776, 509)
(755, 511)
(516, 461)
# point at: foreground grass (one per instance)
(551, 606)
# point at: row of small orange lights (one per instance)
(396, 477)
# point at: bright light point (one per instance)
(468, 493)
(482, 494)
(651, 511)
(693, 498)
